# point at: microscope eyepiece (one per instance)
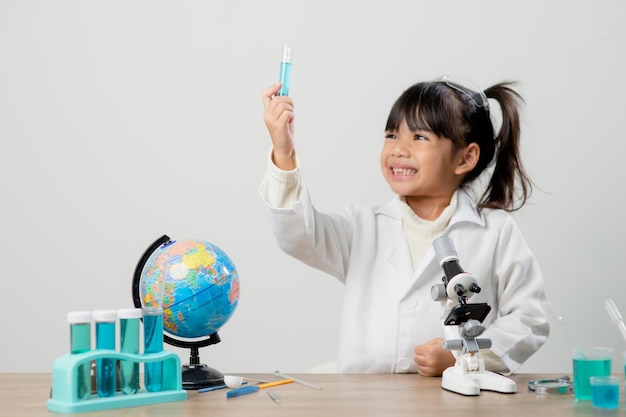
(474, 288)
(459, 290)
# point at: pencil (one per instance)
(273, 384)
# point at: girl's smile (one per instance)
(401, 173)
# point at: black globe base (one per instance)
(201, 376)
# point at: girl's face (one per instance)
(421, 166)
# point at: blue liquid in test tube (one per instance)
(153, 343)
(105, 339)
(285, 71)
(129, 343)
(80, 342)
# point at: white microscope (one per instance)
(468, 376)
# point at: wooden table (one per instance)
(25, 395)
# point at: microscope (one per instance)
(468, 376)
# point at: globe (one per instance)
(197, 284)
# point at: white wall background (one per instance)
(123, 120)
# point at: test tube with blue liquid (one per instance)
(80, 342)
(129, 343)
(153, 343)
(285, 70)
(153, 334)
(105, 339)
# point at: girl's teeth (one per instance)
(404, 171)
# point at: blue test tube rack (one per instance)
(64, 397)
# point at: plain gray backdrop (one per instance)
(121, 121)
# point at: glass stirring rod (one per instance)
(615, 315)
(299, 381)
(273, 396)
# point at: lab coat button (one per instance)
(403, 364)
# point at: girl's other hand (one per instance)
(431, 359)
(278, 117)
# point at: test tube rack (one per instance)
(64, 399)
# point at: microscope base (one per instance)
(471, 383)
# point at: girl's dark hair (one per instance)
(461, 115)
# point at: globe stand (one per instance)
(195, 375)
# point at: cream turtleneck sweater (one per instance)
(420, 233)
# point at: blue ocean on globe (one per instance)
(200, 291)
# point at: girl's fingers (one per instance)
(268, 93)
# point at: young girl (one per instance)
(439, 138)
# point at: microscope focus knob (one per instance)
(454, 344)
(472, 328)
(438, 292)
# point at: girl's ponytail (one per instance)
(508, 172)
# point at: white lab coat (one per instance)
(388, 309)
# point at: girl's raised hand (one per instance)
(278, 117)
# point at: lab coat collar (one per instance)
(465, 211)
